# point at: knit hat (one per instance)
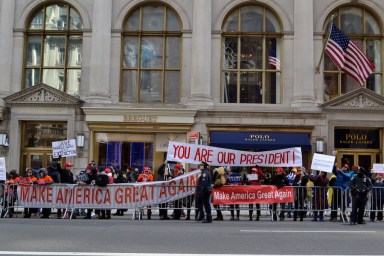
(178, 166)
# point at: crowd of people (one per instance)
(315, 192)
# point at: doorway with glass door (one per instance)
(362, 159)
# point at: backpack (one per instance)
(102, 180)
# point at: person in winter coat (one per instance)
(300, 185)
(44, 179)
(54, 171)
(11, 191)
(319, 203)
(360, 185)
(146, 176)
(66, 177)
(33, 180)
(377, 199)
(279, 180)
(91, 172)
(177, 171)
(135, 175)
(234, 179)
(255, 180)
(219, 180)
(339, 185)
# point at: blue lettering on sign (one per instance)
(235, 178)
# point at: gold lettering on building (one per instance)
(140, 119)
(354, 138)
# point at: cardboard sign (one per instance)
(64, 148)
(378, 168)
(195, 154)
(322, 162)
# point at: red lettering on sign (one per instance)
(182, 152)
(119, 195)
(107, 197)
(226, 158)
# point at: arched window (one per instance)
(364, 31)
(151, 60)
(54, 44)
(251, 56)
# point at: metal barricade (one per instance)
(10, 202)
(374, 204)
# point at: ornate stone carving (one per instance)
(43, 96)
(361, 101)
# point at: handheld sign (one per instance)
(322, 162)
(64, 148)
(378, 168)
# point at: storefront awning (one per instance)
(259, 140)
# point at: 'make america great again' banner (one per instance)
(113, 196)
(194, 154)
(252, 195)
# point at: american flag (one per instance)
(273, 60)
(347, 56)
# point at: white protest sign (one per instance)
(253, 177)
(64, 148)
(3, 170)
(378, 168)
(322, 162)
(195, 154)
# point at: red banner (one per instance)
(252, 195)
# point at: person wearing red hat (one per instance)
(66, 177)
(255, 180)
(146, 176)
(279, 180)
(177, 171)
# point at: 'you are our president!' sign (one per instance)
(64, 148)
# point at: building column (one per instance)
(201, 54)
(7, 10)
(100, 53)
(304, 67)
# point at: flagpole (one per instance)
(325, 45)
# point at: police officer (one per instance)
(203, 191)
(359, 185)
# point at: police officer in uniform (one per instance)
(203, 191)
(360, 185)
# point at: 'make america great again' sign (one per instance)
(195, 154)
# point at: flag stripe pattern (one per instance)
(348, 57)
(273, 60)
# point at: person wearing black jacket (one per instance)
(91, 181)
(118, 180)
(162, 174)
(203, 191)
(279, 180)
(66, 177)
(359, 185)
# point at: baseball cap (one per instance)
(68, 164)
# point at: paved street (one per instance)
(121, 235)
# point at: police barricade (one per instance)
(10, 202)
(373, 205)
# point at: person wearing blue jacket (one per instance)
(343, 177)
